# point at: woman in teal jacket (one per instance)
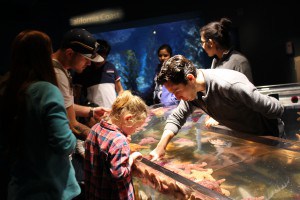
(35, 141)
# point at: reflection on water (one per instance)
(250, 169)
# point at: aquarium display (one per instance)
(134, 50)
(234, 167)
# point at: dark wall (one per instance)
(17, 16)
(53, 17)
(262, 31)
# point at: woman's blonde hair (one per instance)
(127, 103)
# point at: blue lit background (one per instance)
(134, 50)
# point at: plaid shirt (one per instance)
(106, 167)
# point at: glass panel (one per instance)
(245, 166)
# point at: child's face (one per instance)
(163, 55)
(129, 130)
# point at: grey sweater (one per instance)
(234, 60)
(234, 102)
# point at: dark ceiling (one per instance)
(263, 28)
(46, 15)
(37, 10)
(53, 16)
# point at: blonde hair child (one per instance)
(107, 153)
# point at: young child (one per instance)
(161, 94)
(107, 152)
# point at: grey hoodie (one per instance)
(233, 101)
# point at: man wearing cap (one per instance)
(78, 49)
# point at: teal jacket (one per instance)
(43, 169)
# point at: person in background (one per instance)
(101, 81)
(161, 94)
(224, 94)
(78, 49)
(35, 135)
(107, 152)
(216, 41)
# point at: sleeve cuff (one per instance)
(172, 127)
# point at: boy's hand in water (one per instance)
(157, 154)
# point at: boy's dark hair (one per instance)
(175, 70)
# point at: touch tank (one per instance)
(231, 165)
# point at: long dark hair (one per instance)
(30, 62)
(219, 31)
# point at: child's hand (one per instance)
(128, 138)
(135, 156)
